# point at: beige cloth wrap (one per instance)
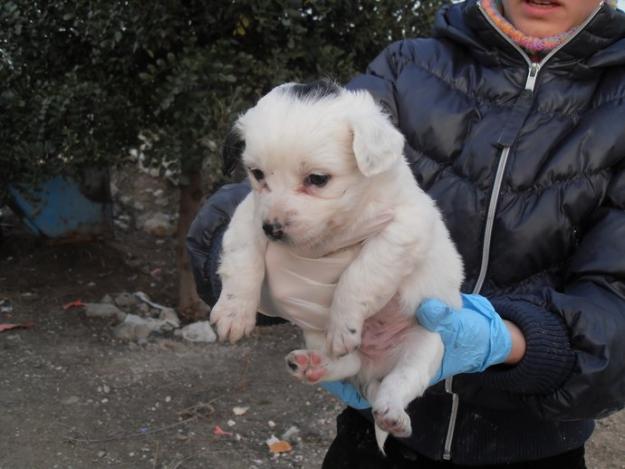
(300, 289)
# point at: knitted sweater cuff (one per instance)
(548, 358)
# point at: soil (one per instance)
(73, 396)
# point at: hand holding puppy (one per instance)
(475, 338)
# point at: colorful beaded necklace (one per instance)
(533, 45)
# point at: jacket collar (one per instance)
(601, 43)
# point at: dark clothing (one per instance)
(529, 172)
(355, 448)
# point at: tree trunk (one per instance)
(190, 305)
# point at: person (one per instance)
(513, 113)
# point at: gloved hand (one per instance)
(347, 393)
(474, 337)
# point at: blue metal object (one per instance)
(66, 208)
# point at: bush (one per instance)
(82, 79)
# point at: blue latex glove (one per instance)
(347, 393)
(474, 337)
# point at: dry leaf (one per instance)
(24, 325)
(220, 432)
(279, 446)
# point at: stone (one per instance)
(200, 331)
(159, 225)
(126, 300)
(104, 310)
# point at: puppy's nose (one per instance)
(273, 230)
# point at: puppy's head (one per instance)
(312, 153)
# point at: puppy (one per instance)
(348, 244)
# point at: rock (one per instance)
(143, 309)
(292, 435)
(107, 299)
(5, 306)
(104, 310)
(170, 318)
(134, 328)
(200, 331)
(240, 410)
(126, 300)
(159, 225)
(138, 329)
(121, 225)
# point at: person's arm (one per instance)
(574, 364)
(205, 235)
(517, 352)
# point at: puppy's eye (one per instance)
(258, 174)
(318, 180)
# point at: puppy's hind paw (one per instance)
(393, 420)
(308, 366)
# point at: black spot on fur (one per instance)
(231, 152)
(315, 90)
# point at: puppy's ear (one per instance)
(377, 144)
(231, 151)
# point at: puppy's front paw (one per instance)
(233, 317)
(308, 366)
(344, 335)
(392, 419)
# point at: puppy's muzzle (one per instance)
(273, 231)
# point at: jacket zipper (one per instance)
(530, 84)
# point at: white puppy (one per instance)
(330, 181)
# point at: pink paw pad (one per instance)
(305, 365)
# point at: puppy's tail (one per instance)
(380, 438)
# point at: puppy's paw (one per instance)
(344, 335)
(392, 419)
(308, 366)
(233, 317)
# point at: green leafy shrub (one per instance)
(82, 79)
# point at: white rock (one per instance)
(240, 410)
(125, 300)
(170, 318)
(159, 225)
(200, 331)
(291, 435)
(104, 310)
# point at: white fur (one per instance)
(348, 137)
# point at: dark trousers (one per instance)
(355, 448)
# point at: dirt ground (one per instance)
(73, 396)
